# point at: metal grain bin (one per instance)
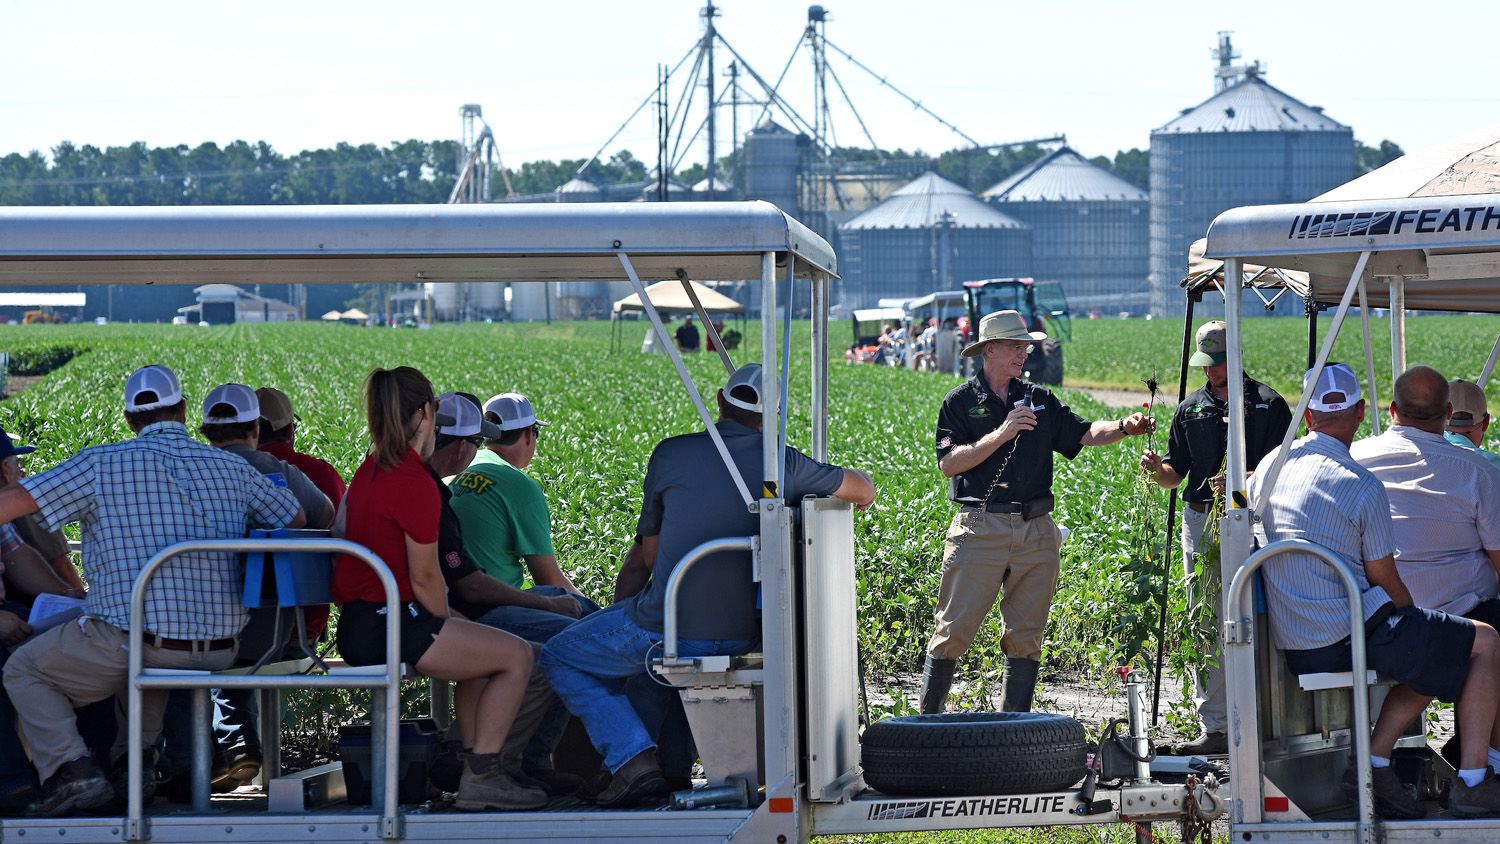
(1249, 144)
(1089, 230)
(771, 161)
(928, 236)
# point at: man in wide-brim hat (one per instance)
(996, 435)
(1001, 325)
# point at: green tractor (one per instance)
(1043, 306)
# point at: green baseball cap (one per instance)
(1210, 345)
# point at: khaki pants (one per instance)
(990, 554)
(1208, 682)
(79, 663)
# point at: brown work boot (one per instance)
(1480, 801)
(1208, 744)
(78, 787)
(1394, 799)
(486, 787)
(638, 781)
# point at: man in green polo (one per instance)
(507, 525)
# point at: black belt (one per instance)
(997, 506)
(189, 644)
(1200, 506)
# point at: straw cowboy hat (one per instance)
(1001, 325)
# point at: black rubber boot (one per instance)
(937, 678)
(1020, 683)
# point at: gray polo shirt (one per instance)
(1322, 496)
(317, 506)
(689, 499)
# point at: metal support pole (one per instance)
(1489, 365)
(1166, 564)
(1136, 694)
(1315, 370)
(202, 737)
(708, 325)
(770, 392)
(1364, 326)
(1234, 453)
(820, 367)
(1398, 325)
(687, 380)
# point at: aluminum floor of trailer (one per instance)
(241, 817)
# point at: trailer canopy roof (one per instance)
(1448, 248)
(1432, 217)
(402, 243)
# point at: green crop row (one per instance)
(609, 407)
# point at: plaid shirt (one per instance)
(136, 497)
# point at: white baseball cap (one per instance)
(747, 376)
(512, 411)
(151, 387)
(1336, 379)
(464, 418)
(243, 399)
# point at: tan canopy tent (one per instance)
(669, 296)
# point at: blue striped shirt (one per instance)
(1322, 496)
(136, 497)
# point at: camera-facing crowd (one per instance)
(444, 500)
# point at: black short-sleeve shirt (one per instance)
(971, 410)
(1200, 433)
(453, 561)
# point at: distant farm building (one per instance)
(222, 304)
(1088, 227)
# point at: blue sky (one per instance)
(555, 79)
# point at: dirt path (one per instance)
(1132, 399)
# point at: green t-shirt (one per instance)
(504, 516)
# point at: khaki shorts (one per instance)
(996, 554)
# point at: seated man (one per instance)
(193, 609)
(23, 576)
(1445, 501)
(231, 421)
(689, 498)
(535, 616)
(505, 517)
(1470, 420)
(1325, 497)
(50, 544)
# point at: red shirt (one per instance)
(382, 509)
(326, 478)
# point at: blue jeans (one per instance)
(539, 626)
(15, 765)
(588, 666)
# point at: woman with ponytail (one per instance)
(393, 507)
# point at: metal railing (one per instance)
(384, 711)
(674, 586)
(1237, 633)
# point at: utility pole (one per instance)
(661, 133)
(734, 123)
(710, 35)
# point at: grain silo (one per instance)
(1249, 144)
(771, 160)
(1089, 230)
(928, 236)
(578, 189)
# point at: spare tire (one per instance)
(958, 753)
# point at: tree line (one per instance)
(414, 171)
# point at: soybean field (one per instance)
(608, 407)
